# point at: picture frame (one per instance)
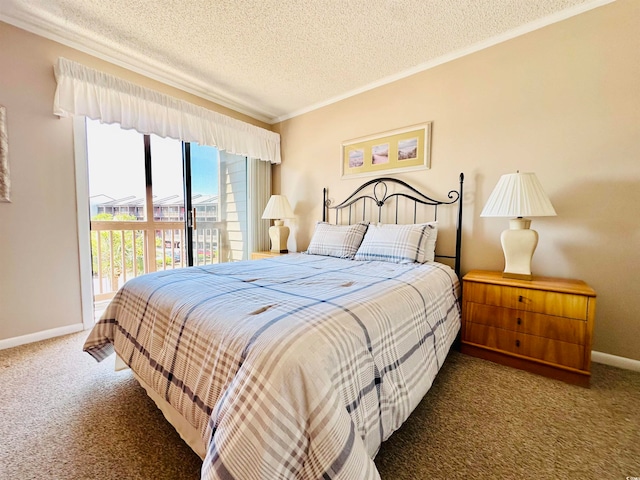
(5, 184)
(402, 150)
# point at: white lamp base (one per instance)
(518, 245)
(279, 235)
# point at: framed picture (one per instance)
(402, 150)
(4, 157)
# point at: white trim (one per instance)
(615, 361)
(38, 336)
(476, 47)
(84, 222)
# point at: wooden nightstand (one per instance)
(543, 325)
(265, 254)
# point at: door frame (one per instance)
(84, 220)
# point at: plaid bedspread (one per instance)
(298, 366)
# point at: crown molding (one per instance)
(161, 73)
(490, 42)
(174, 78)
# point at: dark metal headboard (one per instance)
(378, 194)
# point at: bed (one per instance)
(298, 366)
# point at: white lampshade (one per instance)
(518, 195)
(277, 209)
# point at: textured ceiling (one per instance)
(273, 59)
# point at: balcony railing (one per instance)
(122, 250)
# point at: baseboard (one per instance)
(44, 335)
(615, 361)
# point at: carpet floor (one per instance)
(64, 416)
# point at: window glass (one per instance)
(205, 165)
(114, 153)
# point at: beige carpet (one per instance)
(64, 416)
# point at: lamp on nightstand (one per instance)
(518, 195)
(278, 209)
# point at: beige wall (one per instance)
(564, 102)
(39, 264)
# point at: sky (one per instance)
(116, 164)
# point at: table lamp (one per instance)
(518, 195)
(278, 209)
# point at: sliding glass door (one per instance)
(158, 204)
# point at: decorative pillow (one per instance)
(429, 242)
(393, 243)
(340, 241)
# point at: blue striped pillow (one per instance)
(394, 243)
(429, 242)
(340, 241)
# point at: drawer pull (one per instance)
(517, 343)
(519, 321)
(520, 298)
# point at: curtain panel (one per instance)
(100, 96)
(259, 183)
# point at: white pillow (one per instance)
(394, 243)
(340, 241)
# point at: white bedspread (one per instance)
(297, 366)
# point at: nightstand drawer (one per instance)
(531, 323)
(549, 303)
(546, 349)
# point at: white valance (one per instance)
(100, 96)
